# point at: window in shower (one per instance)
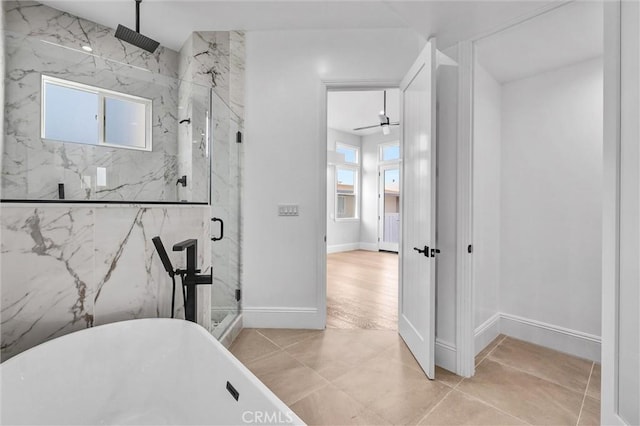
(79, 113)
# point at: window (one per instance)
(390, 151)
(350, 153)
(347, 174)
(74, 112)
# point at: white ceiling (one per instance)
(349, 110)
(563, 36)
(172, 21)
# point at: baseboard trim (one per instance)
(486, 332)
(369, 246)
(446, 355)
(573, 342)
(282, 317)
(339, 248)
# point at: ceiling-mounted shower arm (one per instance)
(384, 102)
(138, 15)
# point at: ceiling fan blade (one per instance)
(367, 127)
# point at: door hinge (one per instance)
(239, 137)
(238, 294)
(469, 248)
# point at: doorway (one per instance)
(363, 208)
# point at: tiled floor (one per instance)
(368, 377)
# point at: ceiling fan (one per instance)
(384, 119)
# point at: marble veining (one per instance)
(40, 41)
(64, 268)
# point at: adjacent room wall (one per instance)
(486, 205)
(285, 70)
(342, 235)
(551, 203)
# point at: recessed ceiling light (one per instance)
(87, 48)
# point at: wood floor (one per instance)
(362, 290)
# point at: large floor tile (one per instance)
(447, 377)
(396, 392)
(336, 352)
(566, 370)
(530, 398)
(590, 415)
(284, 337)
(330, 406)
(286, 377)
(594, 383)
(250, 345)
(460, 409)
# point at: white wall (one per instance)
(551, 197)
(284, 98)
(370, 179)
(342, 235)
(486, 198)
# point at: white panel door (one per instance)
(416, 299)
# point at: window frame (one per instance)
(355, 167)
(384, 145)
(102, 94)
(349, 146)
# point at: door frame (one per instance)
(621, 84)
(389, 165)
(327, 86)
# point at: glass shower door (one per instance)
(226, 184)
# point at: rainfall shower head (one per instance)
(134, 37)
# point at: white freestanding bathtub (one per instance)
(148, 371)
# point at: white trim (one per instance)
(339, 248)
(486, 332)
(464, 214)
(611, 213)
(573, 342)
(282, 317)
(369, 246)
(445, 355)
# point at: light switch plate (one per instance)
(287, 210)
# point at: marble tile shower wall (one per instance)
(68, 267)
(32, 167)
(65, 267)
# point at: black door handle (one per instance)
(215, 219)
(434, 251)
(424, 251)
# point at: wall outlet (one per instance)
(287, 210)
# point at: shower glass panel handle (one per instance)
(215, 219)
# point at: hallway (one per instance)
(341, 377)
(362, 290)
